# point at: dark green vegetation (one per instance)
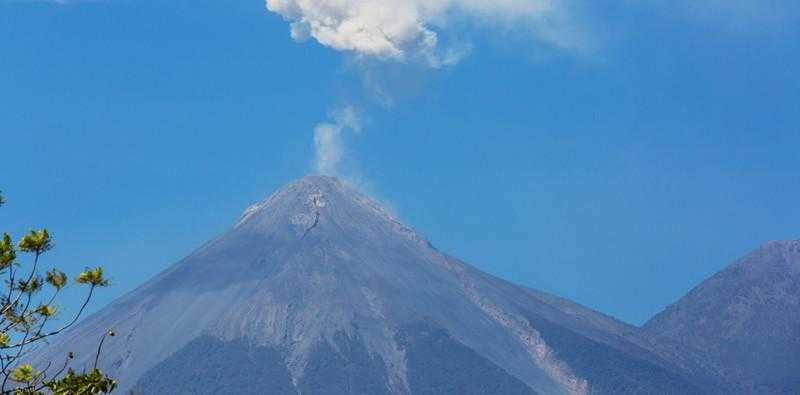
(610, 370)
(28, 312)
(211, 366)
(208, 365)
(344, 367)
(439, 364)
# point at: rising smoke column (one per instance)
(408, 32)
(329, 139)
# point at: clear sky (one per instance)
(615, 153)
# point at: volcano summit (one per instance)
(319, 290)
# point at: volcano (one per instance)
(745, 319)
(319, 290)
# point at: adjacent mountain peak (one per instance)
(788, 249)
(778, 246)
(779, 260)
(745, 318)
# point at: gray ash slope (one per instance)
(745, 319)
(318, 290)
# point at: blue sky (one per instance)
(618, 171)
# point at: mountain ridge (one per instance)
(319, 277)
(746, 318)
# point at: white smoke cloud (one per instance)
(408, 30)
(329, 139)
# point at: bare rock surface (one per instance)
(745, 319)
(327, 292)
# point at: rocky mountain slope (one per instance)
(745, 319)
(318, 290)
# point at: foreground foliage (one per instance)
(28, 313)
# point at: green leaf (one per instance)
(46, 310)
(7, 252)
(36, 241)
(23, 373)
(94, 382)
(32, 286)
(94, 277)
(56, 278)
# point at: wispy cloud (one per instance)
(410, 30)
(385, 36)
(329, 139)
